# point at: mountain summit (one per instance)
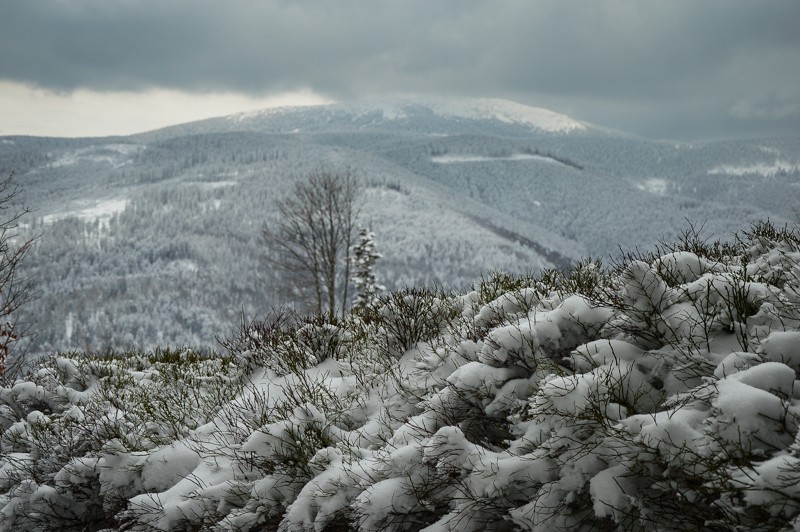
(407, 110)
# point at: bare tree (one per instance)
(309, 243)
(15, 290)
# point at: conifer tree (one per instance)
(363, 257)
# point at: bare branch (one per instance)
(15, 290)
(309, 243)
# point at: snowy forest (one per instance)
(163, 228)
(341, 318)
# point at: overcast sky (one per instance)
(681, 69)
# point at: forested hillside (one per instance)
(153, 239)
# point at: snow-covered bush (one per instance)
(286, 342)
(410, 316)
(662, 393)
(79, 414)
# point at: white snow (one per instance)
(763, 169)
(535, 407)
(69, 324)
(466, 158)
(116, 155)
(259, 113)
(653, 186)
(183, 266)
(101, 211)
(770, 150)
(783, 346)
(505, 111)
(213, 185)
(508, 112)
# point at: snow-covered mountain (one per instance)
(415, 110)
(409, 114)
(153, 239)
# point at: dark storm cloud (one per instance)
(681, 68)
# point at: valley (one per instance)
(153, 239)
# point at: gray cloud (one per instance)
(679, 68)
(774, 108)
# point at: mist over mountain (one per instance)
(153, 239)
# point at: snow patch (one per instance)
(770, 150)
(117, 155)
(464, 158)
(501, 110)
(183, 266)
(653, 186)
(764, 169)
(212, 185)
(508, 112)
(102, 211)
(259, 113)
(390, 111)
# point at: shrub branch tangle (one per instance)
(15, 291)
(662, 393)
(309, 244)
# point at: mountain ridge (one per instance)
(498, 109)
(412, 113)
(152, 239)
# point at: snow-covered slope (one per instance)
(419, 115)
(663, 394)
(508, 112)
(408, 110)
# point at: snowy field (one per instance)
(99, 211)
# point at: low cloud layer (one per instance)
(674, 69)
